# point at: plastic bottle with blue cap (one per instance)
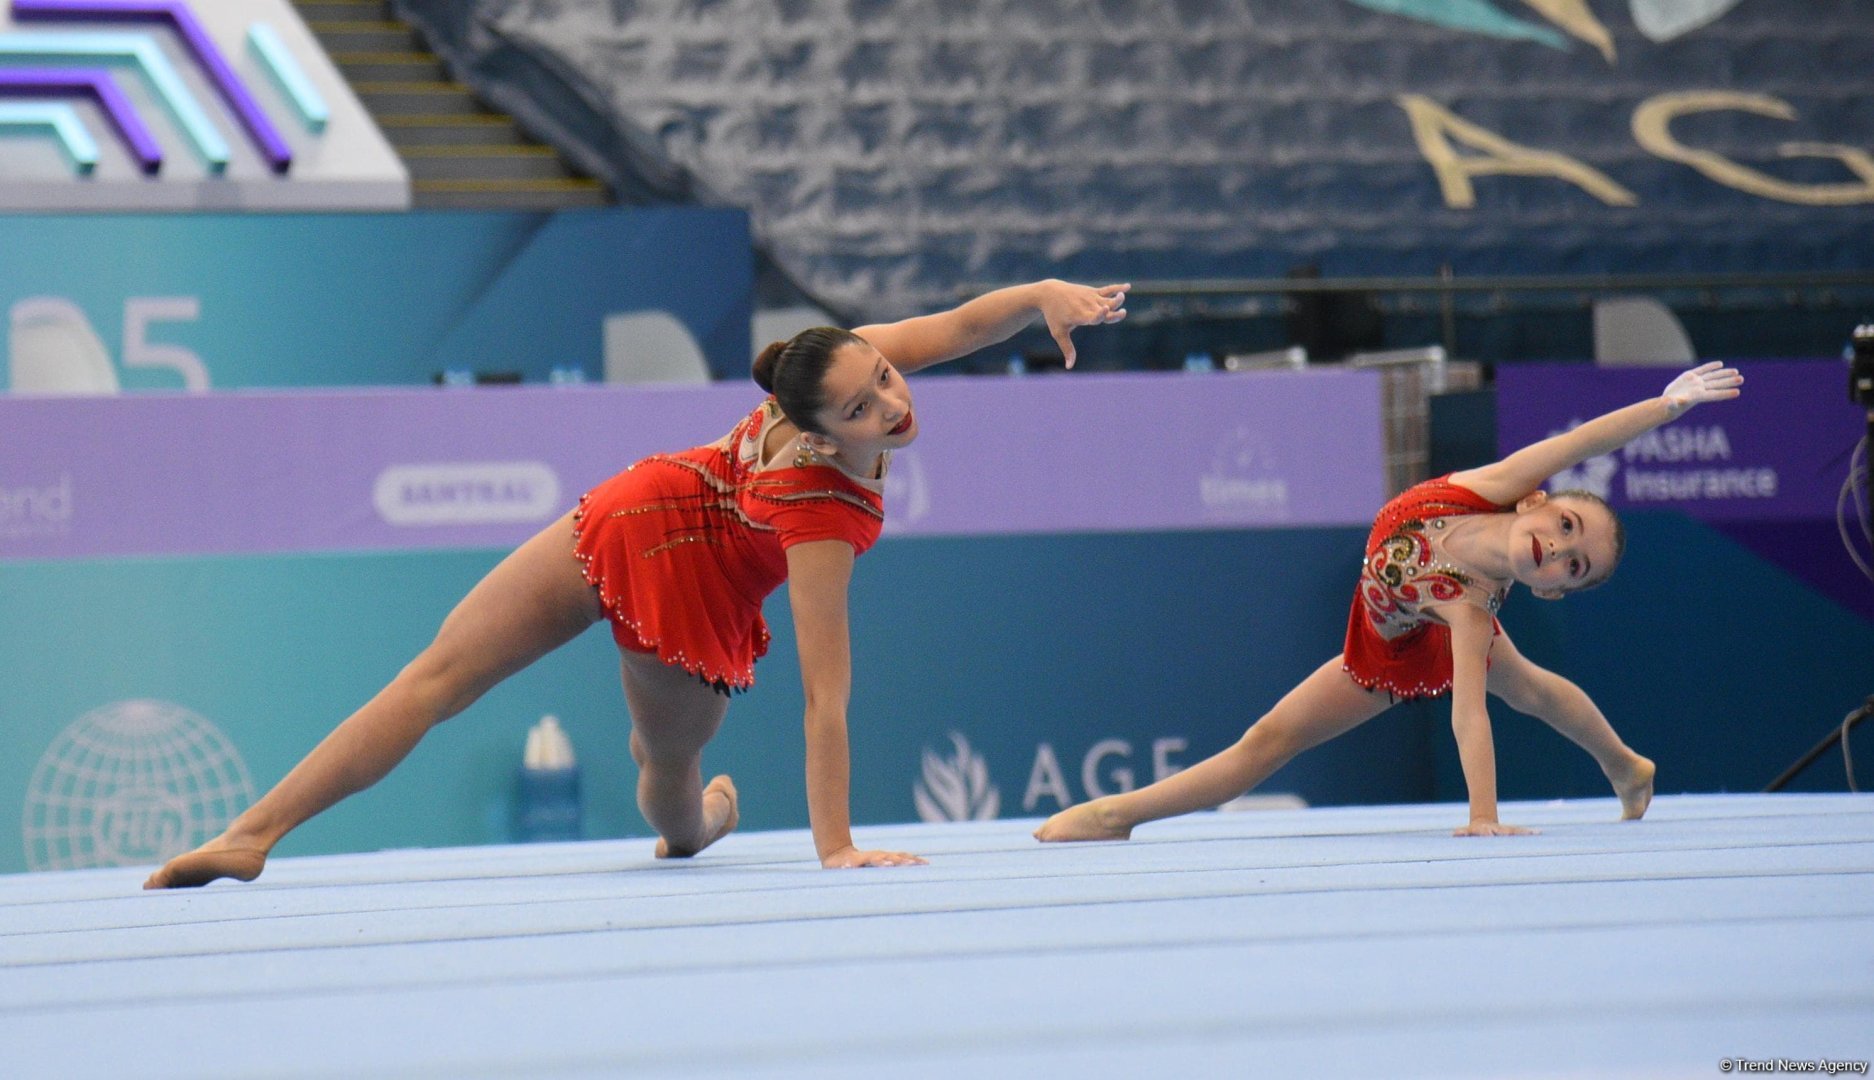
(549, 807)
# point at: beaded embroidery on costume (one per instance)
(748, 437)
(717, 506)
(724, 495)
(1405, 573)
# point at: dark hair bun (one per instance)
(764, 365)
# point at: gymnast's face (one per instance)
(1559, 546)
(867, 410)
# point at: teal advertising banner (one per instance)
(100, 303)
(148, 699)
(151, 699)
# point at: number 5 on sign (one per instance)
(139, 313)
(53, 349)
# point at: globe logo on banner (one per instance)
(132, 783)
(956, 788)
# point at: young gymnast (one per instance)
(1439, 561)
(677, 552)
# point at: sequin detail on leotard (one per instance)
(1406, 572)
(1393, 644)
(684, 547)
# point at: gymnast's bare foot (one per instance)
(1089, 821)
(720, 816)
(218, 858)
(1634, 785)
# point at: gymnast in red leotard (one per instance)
(677, 553)
(1439, 561)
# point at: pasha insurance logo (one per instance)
(956, 787)
(1678, 464)
(1659, 20)
(131, 783)
(36, 508)
(466, 493)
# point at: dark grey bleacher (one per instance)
(890, 152)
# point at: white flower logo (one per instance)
(1595, 475)
(956, 789)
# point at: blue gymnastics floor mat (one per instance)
(1359, 941)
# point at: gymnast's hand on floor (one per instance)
(848, 857)
(1493, 828)
(1706, 382)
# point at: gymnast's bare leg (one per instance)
(673, 714)
(1562, 705)
(535, 600)
(1326, 704)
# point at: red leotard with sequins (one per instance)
(683, 548)
(1391, 644)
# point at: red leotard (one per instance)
(1392, 644)
(683, 548)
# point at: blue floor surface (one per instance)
(1361, 942)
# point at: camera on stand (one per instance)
(1861, 368)
(1860, 357)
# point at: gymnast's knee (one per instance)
(1264, 740)
(1527, 693)
(439, 685)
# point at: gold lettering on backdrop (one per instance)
(1652, 128)
(1436, 127)
(1574, 17)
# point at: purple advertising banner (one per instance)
(1765, 470)
(1779, 452)
(254, 472)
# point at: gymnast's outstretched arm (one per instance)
(919, 342)
(1527, 469)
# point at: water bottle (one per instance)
(549, 786)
